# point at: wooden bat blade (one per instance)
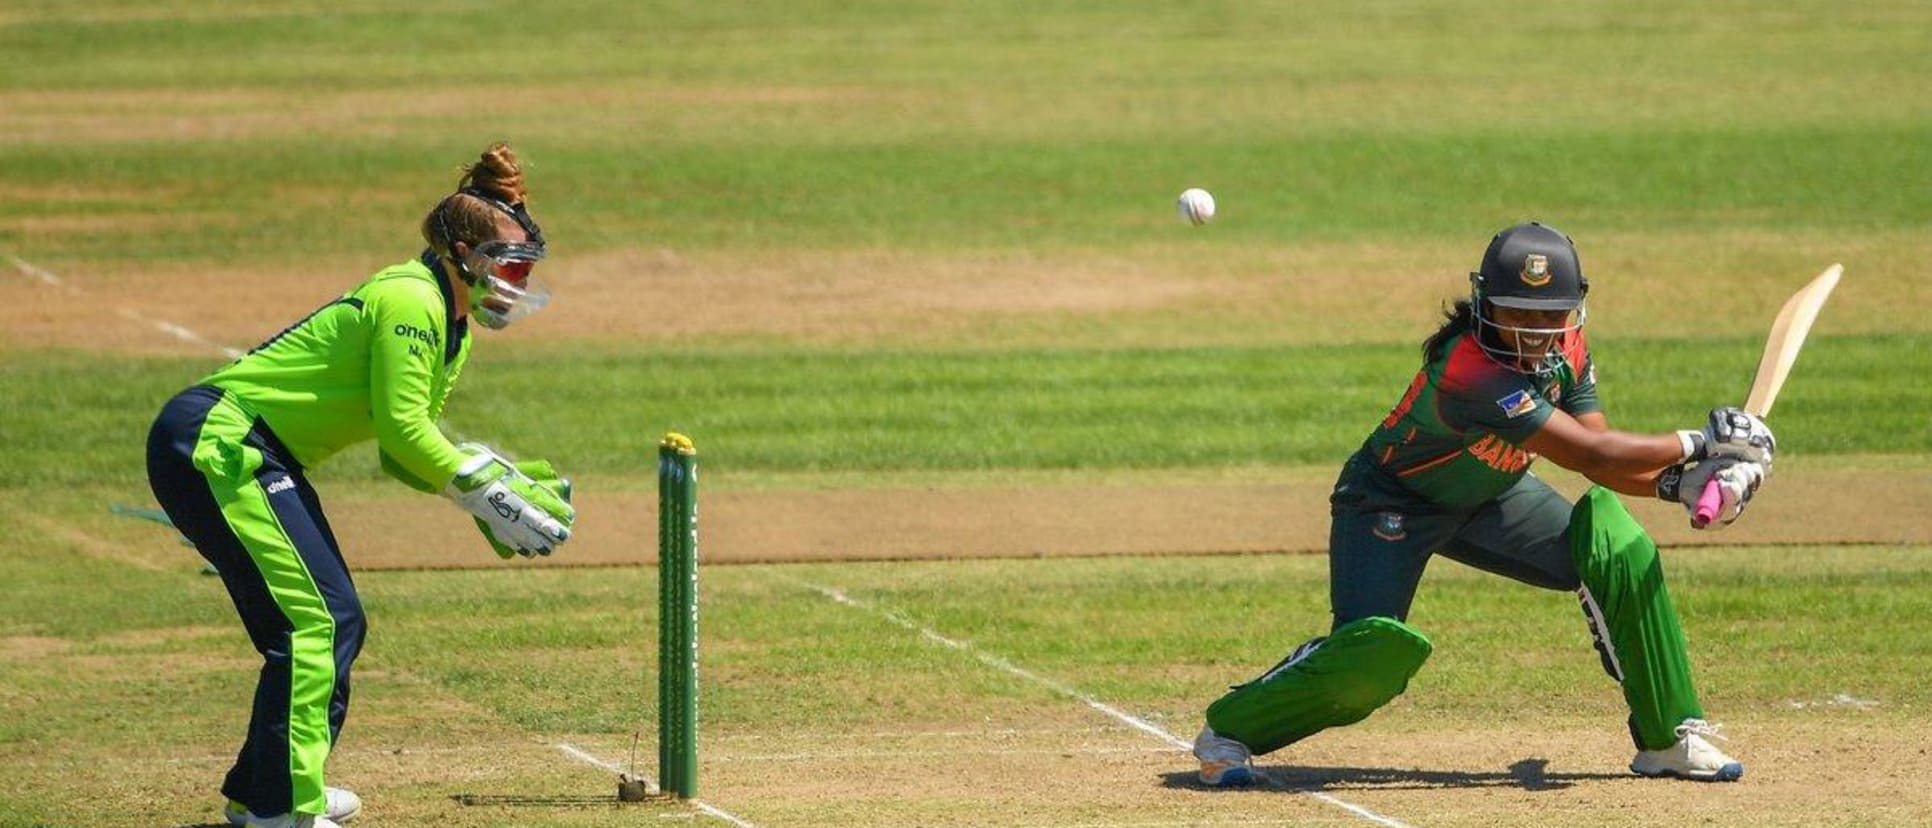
(1788, 334)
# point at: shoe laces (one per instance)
(1699, 727)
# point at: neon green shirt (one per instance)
(378, 362)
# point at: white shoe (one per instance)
(1225, 763)
(291, 821)
(342, 804)
(1693, 757)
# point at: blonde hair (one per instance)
(464, 216)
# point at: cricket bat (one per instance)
(1788, 333)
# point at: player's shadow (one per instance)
(1528, 775)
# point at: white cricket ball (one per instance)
(1197, 207)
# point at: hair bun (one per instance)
(498, 174)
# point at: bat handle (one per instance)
(1707, 504)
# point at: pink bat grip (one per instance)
(1707, 504)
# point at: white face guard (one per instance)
(1520, 349)
(502, 289)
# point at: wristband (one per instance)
(1670, 483)
(1692, 443)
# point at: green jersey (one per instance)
(378, 362)
(1456, 437)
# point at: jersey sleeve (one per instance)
(1476, 394)
(405, 345)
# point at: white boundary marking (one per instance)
(703, 807)
(1002, 664)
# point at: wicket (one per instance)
(677, 655)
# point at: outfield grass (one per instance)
(508, 657)
(1706, 156)
(932, 126)
(839, 412)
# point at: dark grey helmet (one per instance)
(1530, 266)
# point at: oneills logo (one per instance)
(1536, 270)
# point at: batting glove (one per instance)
(1731, 432)
(1737, 482)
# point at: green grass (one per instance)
(936, 126)
(234, 201)
(836, 411)
(516, 656)
(1710, 153)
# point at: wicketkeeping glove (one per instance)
(1737, 482)
(518, 515)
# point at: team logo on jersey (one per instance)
(408, 331)
(1389, 528)
(1536, 270)
(1517, 403)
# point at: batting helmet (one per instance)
(1530, 266)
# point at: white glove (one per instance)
(513, 510)
(1731, 432)
(1737, 482)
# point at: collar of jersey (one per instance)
(458, 326)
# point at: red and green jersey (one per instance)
(378, 362)
(1456, 437)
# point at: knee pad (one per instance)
(1339, 680)
(1605, 541)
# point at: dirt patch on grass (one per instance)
(31, 647)
(1804, 506)
(1157, 295)
(1800, 772)
(231, 114)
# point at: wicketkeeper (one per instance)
(226, 460)
(1506, 378)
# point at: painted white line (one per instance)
(588, 758)
(881, 755)
(1143, 725)
(991, 733)
(175, 330)
(179, 332)
(28, 268)
(703, 807)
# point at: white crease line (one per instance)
(180, 332)
(706, 808)
(1139, 724)
(42, 274)
(826, 755)
(933, 734)
(177, 331)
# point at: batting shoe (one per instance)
(291, 821)
(1693, 757)
(1225, 762)
(342, 805)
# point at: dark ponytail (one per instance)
(1457, 319)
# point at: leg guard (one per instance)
(1325, 683)
(1632, 618)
